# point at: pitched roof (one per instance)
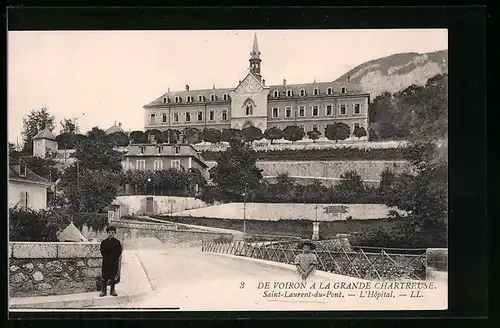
(45, 134)
(14, 173)
(114, 128)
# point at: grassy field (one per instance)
(299, 228)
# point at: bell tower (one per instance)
(255, 60)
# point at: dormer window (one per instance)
(213, 97)
(276, 93)
(177, 99)
(316, 91)
(289, 93)
(329, 91)
(225, 96)
(189, 99)
(344, 89)
(302, 92)
(201, 98)
(22, 170)
(165, 100)
(177, 150)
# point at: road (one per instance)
(190, 280)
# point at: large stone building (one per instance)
(253, 103)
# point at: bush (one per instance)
(95, 221)
(36, 226)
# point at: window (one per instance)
(201, 98)
(189, 99)
(22, 170)
(142, 149)
(160, 149)
(152, 119)
(177, 150)
(344, 90)
(176, 117)
(302, 92)
(276, 112)
(140, 164)
(302, 111)
(224, 115)
(329, 91)
(200, 116)
(211, 115)
(356, 125)
(24, 201)
(177, 99)
(315, 111)
(213, 97)
(225, 96)
(288, 112)
(176, 164)
(276, 93)
(342, 109)
(289, 93)
(158, 165)
(329, 110)
(38, 143)
(164, 118)
(357, 109)
(316, 91)
(164, 100)
(188, 117)
(249, 109)
(315, 127)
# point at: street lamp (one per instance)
(244, 210)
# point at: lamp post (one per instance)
(244, 210)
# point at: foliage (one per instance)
(273, 133)
(211, 135)
(313, 135)
(95, 221)
(387, 179)
(161, 182)
(118, 139)
(171, 135)
(350, 188)
(35, 226)
(359, 132)
(345, 153)
(69, 126)
(337, 131)
(231, 134)
(138, 137)
(251, 134)
(293, 133)
(236, 171)
(193, 135)
(44, 167)
(97, 154)
(155, 133)
(34, 122)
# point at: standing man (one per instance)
(111, 251)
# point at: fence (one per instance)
(339, 260)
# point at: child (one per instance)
(306, 261)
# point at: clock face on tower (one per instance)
(249, 88)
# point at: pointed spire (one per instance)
(255, 49)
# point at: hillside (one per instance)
(397, 72)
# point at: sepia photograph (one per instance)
(228, 170)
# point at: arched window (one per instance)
(248, 105)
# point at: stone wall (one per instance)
(40, 269)
(162, 204)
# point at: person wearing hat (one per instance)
(111, 251)
(306, 261)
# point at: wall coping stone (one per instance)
(44, 250)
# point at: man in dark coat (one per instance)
(111, 251)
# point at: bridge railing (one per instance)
(371, 264)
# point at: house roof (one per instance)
(151, 150)
(114, 128)
(351, 88)
(44, 134)
(31, 177)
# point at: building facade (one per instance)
(253, 103)
(27, 190)
(44, 142)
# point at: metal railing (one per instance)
(341, 260)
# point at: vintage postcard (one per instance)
(228, 170)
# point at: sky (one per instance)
(99, 77)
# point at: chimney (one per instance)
(120, 124)
(187, 87)
(168, 90)
(284, 82)
(263, 82)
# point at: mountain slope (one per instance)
(397, 72)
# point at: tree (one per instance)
(193, 135)
(157, 135)
(119, 139)
(293, 133)
(170, 135)
(313, 135)
(236, 170)
(382, 108)
(44, 167)
(69, 126)
(359, 132)
(137, 137)
(97, 134)
(98, 155)
(231, 134)
(387, 179)
(337, 131)
(251, 134)
(350, 187)
(34, 122)
(273, 133)
(211, 135)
